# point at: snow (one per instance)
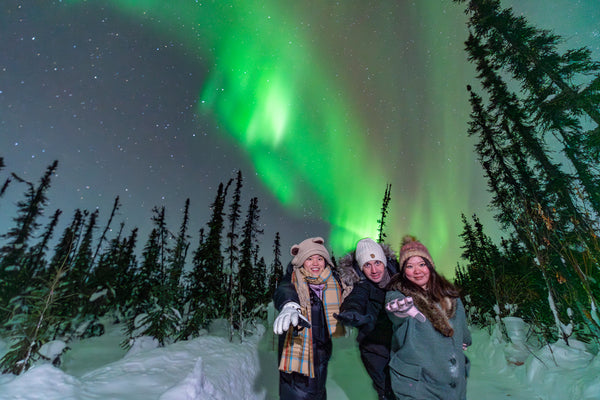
(212, 367)
(53, 349)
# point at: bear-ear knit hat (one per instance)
(412, 247)
(307, 248)
(369, 250)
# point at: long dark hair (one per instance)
(438, 287)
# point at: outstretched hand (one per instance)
(290, 315)
(353, 318)
(405, 308)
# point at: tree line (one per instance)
(535, 117)
(61, 293)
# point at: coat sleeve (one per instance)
(357, 300)
(360, 302)
(286, 291)
(460, 311)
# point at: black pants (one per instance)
(377, 368)
(295, 386)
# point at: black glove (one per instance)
(353, 318)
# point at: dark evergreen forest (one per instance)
(535, 118)
(93, 272)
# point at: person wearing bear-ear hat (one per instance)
(307, 299)
(430, 330)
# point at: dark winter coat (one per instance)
(426, 364)
(286, 291)
(294, 385)
(368, 299)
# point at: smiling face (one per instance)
(417, 271)
(314, 265)
(373, 270)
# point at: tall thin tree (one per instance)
(384, 211)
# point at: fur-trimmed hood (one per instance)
(439, 314)
(350, 272)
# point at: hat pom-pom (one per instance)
(408, 239)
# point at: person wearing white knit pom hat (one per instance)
(368, 271)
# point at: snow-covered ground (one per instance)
(210, 367)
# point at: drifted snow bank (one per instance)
(211, 367)
(39, 383)
(208, 367)
(565, 372)
(552, 372)
(225, 371)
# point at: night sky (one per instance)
(320, 104)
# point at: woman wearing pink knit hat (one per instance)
(427, 359)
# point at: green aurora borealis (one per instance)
(331, 101)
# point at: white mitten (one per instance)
(289, 315)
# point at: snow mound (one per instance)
(56, 385)
(194, 386)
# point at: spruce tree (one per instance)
(66, 248)
(125, 267)
(160, 223)
(32, 329)
(29, 210)
(6, 182)
(276, 268)
(552, 213)
(148, 276)
(561, 88)
(206, 282)
(261, 287)
(4, 186)
(35, 263)
(116, 206)
(384, 211)
(212, 259)
(103, 278)
(232, 252)
(158, 316)
(196, 315)
(248, 271)
(77, 278)
(13, 254)
(82, 262)
(113, 279)
(162, 318)
(501, 272)
(177, 258)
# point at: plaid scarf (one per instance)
(297, 355)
